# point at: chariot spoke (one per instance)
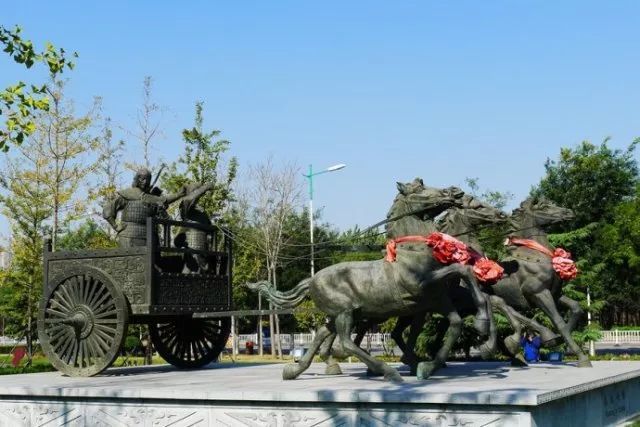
(61, 300)
(101, 301)
(56, 313)
(58, 335)
(97, 293)
(105, 321)
(74, 289)
(65, 291)
(103, 346)
(65, 346)
(102, 315)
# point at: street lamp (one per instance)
(310, 176)
(592, 348)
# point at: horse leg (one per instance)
(425, 369)
(408, 356)
(544, 300)
(344, 325)
(326, 355)
(490, 346)
(415, 329)
(512, 342)
(549, 338)
(483, 319)
(292, 370)
(361, 331)
(574, 307)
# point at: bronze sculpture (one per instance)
(136, 204)
(351, 292)
(91, 296)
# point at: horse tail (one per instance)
(288, 299)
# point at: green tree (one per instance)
(590, 179)
(147, 128)
(201, 162)
(24, 203)
(63, 139)
(600, 185)
(89, 235)
(108, 170)
(19, 103)
(492, 237)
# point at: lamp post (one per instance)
(592, 348)
(310, 176)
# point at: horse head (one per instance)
(478, 214)
(416, 205)
(466, 221)
(539, 212)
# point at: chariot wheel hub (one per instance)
(82, 320)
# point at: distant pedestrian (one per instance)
(531, 345)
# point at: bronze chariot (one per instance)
(91, 296)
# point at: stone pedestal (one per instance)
(464, 394)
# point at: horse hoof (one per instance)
(584, 363)
(512, 344)
(393, 376)
(519, 362)
(426, 369)
(370, 373)
(481, 326)
(333, 369)
(486, 352)
(290, 371)
(552, 341)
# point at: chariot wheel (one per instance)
(82, 322)
(190, 343)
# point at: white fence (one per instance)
(379, 340)
(10, 341)
(620, 337)
(290, 341)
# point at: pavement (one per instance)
(463, 383)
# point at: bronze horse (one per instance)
(461, 222)
(352, 292)
(530, 279)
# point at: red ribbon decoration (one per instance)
(448, 250)
(560, 259)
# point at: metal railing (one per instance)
(379, 340)
(10, 341)
(620, 337)
(289, 341)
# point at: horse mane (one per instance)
(395, 208)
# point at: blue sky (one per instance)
(440, 90)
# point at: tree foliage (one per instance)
(19, 102)
(202, 162)
(601, 185)
(590, 179)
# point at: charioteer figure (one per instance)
(136, 204)
(195, 238)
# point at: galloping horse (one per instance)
(461, 222)
(351, 292)
(530, 279)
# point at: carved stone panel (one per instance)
(120, 414)
(192, 290)
(127, 272)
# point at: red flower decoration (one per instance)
(561, 253)
(565, 267)
(447, 250)
(488, 271)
